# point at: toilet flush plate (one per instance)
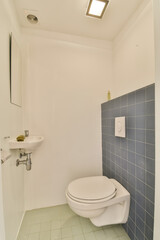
(120, 130)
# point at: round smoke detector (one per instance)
(32, 18)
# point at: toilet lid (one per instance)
(92, 188)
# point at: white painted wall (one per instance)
(11, 177)
(67, 80)
(2, 227)
(133, 52)
(157, 77)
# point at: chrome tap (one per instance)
(26, 133)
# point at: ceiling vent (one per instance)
(31, 16)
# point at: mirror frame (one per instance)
(15, 73)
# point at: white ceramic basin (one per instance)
(29, 143)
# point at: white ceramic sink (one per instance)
(29, 143)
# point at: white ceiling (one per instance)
(68, 16)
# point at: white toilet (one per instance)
(105, 201)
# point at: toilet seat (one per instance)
(91, 189)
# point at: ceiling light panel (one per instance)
(96, 8)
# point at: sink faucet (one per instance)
(26, 133)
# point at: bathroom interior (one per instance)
(76, 74)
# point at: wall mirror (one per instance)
(15, 73)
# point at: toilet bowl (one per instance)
(104, 201)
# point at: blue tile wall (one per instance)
(131, 160)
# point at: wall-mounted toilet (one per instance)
(105, 201)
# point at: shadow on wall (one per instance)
(131, 160)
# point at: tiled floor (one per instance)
(60, 223)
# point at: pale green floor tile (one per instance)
(67, 239)
(78, 237)
(110, 233)
(46, 226)
(123, 238)
(110, 226)
(99, 235)
(56, 234)
(84, 221)
(119, 230)
(56, 224)
(61, 223)
(89, 236)
(66, 232)
(34, 228)
(45, 235)
(22, 237)
(94, 228)
(71, 221)
(86, 229)
(25, 229)
(86, 225)
(33, 236)
(76, 230)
